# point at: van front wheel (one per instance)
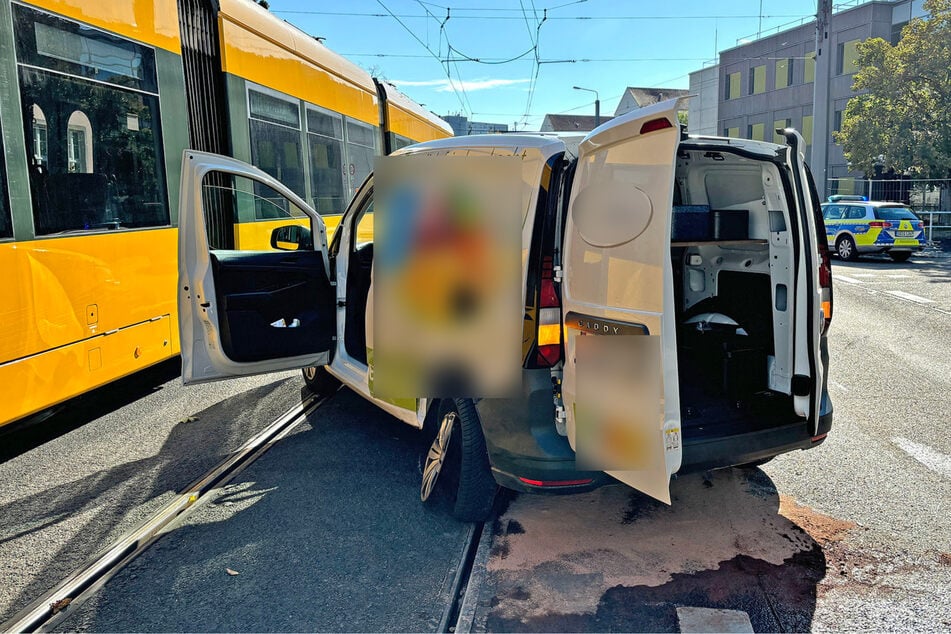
(319, 381)
(456, 466)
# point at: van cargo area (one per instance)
(732, 254)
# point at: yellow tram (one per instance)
(97, 102)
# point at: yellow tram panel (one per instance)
(259, 47)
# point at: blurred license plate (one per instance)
(904, 234)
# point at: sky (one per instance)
(504, 61)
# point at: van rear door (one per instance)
(809, 317)
(620, 385)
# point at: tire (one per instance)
(319, 381)
(899, 256)
(846, 249)
(456, 470)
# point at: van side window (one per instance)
(92, 126)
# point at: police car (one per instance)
(855, 225)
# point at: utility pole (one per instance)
(820, 103)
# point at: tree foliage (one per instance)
(904, 114)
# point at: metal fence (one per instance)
(930, 199)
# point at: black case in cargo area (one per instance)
(728, 364)
(730, 224)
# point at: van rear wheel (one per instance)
(319, 381)
(456, 466)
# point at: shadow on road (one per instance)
(326, 532)
(614, 560)
(33, 431)
(937, 270)
(105, 499)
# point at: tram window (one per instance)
(361, 149)
(65, 46)
(242, 196)
(275, 142)
(96, 160)
(6, 224)
(325, 141)
(398, 141)
(107, 175)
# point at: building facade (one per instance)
(770, 82)
(461, 126)
(704, 101)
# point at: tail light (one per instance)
(881, 224)
(825, 283)
(920, 224)
(548, 333)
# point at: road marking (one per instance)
(846, 278)
(911, 298)
(898, 277)
(838, 385)
(935, 460)
(866, 274)
(709, 620)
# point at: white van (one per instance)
(704, 257)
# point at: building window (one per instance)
(848, 58)
(758, 79)
(732, 88)
(837, 121)
(780, 124)
(275, 146)
(733, 133)
(784, 71)
(756, 131)
(809, 68)
(325, 142)
(807, 130)
(361, 148)
(97, 160)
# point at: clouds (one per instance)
(447, 85)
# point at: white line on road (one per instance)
(838, 385)
(934, 460)
(846, 278)
(911, 298)
(866, 274)
(898, 277)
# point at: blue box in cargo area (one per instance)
(690, 223)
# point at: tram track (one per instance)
(45, 612)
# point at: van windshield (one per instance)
(894, 213)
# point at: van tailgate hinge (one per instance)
(558, 273)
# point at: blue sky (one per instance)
(629, 43)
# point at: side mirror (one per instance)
(292, 238)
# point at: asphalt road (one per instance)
(74, 483)
(327, 533)
(852, 535)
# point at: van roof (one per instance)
(547, 144)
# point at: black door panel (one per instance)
(273, 305)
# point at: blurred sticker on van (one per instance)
(447, 315)
(619, 407)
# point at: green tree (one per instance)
(905, 111)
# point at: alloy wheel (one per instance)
(436, 456)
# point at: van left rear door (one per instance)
(620, 384)
(249, 312)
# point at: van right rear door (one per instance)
(620, 385)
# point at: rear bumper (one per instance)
(885, 248)
(527, 454)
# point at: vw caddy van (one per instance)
(703, 259)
